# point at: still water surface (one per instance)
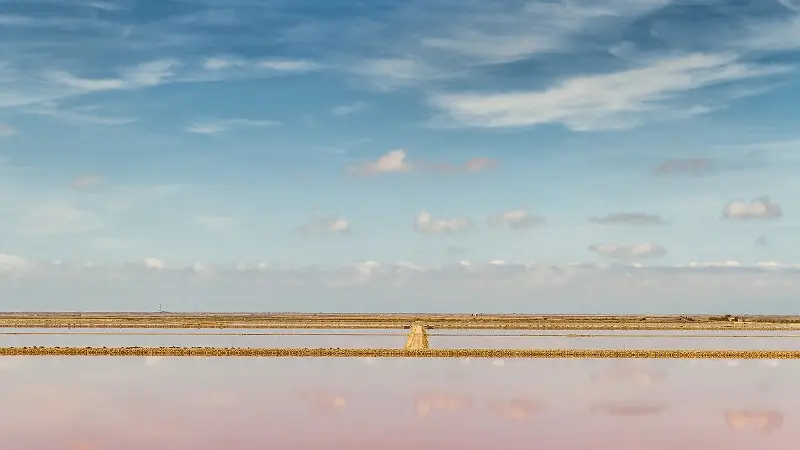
(131, 403)
(743, 340)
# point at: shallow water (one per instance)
(80, 403)
(740, 340)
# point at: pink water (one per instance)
(94, 403)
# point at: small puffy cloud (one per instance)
(762, 241)
(325, 225)
(762, 421)
(760, 208)
(683, 166)
(426, 223)
(397, 161)
(7, 130)
(634, 251)
(628, 218)
(391, 162)
(154, 263)
(517, 219)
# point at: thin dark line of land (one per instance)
(180, 320)
(399, 353)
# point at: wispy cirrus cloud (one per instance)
(80, 115)
(150, 73)
(348, 109)
(223, 63)
(617, 100)
(221, 126)
(517, 219)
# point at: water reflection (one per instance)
(98, 403)
(737, 340)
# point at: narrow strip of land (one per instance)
(399, 353)
(403, 334)
(398, 321)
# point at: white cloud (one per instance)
(220, 63)
(517, 219)
(393, 161)
(346, 110)
(774, 35)
(7, 130)
(226, 62)
(154, 263)
(634, 251)
(397, 160)
(371, 286)
(451, 40)
(426, 223)
(608, 101)
(79, 115)
(288, 65)
(151, 73)
(760, 208)
(221, 126)
(392, 73)
(325, 225)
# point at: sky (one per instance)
(248, 403)
(294, 147)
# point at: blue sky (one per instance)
(304, 133)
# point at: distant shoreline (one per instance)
(178, 320)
